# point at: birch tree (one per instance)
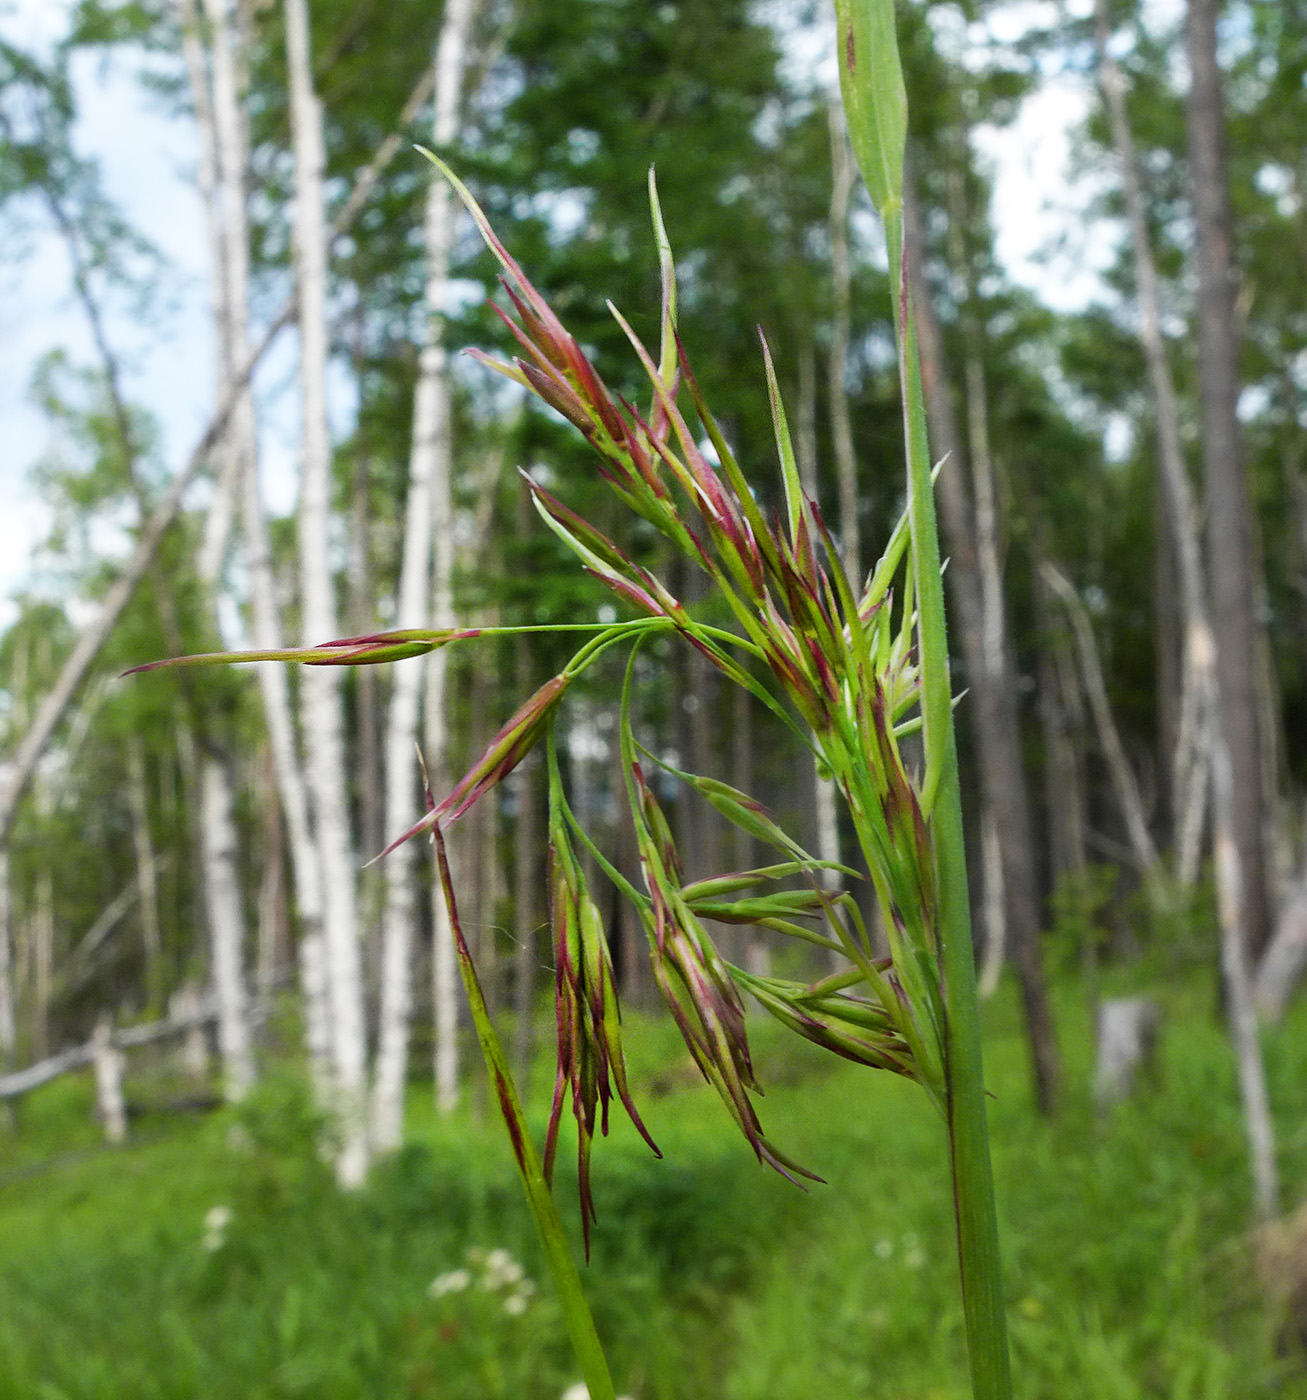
(224, 162)
(70, 194)
(224, 905)
(428, 482)
(324, 725)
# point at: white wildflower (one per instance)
(515, 1304)
(216, 1220)
(884, 1249)
(501, 1270)
(915, 1258)
(455, 1281)
(580, 1392)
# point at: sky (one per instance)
(147, 154)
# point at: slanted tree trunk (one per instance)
(324, 721)
(993, 714)
(428, 459)
(1190, 764)
(1221, 659)
(1229, 515)
(224, 912)
(1060, 715)
(37, 734)
(1109, 737)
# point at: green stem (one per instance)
(973, 1174)
(875, 102)
(558, 1250)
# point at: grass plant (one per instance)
(851, 666)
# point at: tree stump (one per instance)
(184, 1005)
(1285, 960)
(1127, 1041)
(107, 1060)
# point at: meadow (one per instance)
(213, 1256)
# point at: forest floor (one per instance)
(212, 1256)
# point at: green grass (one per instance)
(1126, 1272)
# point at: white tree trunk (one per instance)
(1109, 738)
(321, 685)
(1127, 1034)
(429, 458)
(222, 134)
(220, 853)
(220, 848)
(271, 892)
(995, 917)
(37, 735)
(1192, 756)
(222, 892)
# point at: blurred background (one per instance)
(246, 1146)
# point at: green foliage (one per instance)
(1125, 1275)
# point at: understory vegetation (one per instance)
(214, 1256)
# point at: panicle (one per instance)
(504, 752)
(591, 1062)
